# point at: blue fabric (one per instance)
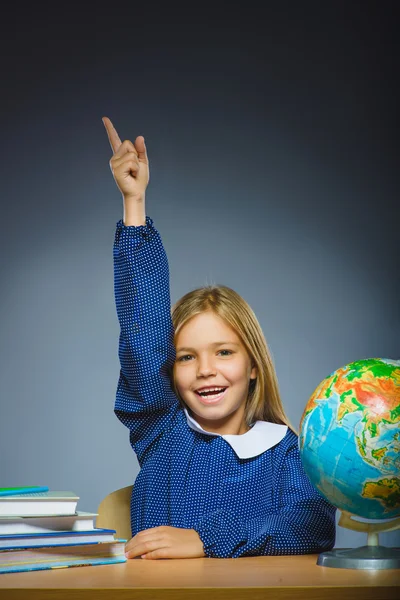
(262, 505)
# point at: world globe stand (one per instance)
(371, 556)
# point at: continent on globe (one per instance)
(385, 490)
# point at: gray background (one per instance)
(272, 153)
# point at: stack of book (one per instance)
(41, 529)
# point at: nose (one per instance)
(205, 367)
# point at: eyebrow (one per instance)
(214, 344)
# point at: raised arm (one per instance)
(145, 401)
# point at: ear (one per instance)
(253, 374)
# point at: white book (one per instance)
(81, 521)
(39, 504)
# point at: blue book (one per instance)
(55, 538)
(23, 490)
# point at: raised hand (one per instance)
(129, 163)
(165, 542)
(130, 168)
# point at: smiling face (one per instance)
(209, 354)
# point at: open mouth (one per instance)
(212, 396)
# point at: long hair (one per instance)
(263, 401)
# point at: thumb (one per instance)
(141, 148)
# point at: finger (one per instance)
(138, 148)
(127, 167)
(144, 548)
(141, 148)
(124, 148)
(160, 553)
(113, 136)
(116, 160)
(160, 528)
(146, 534)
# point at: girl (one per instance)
(220, 470)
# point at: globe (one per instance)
(349, 438)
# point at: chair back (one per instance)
(114, 512)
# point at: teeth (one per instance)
(218, 392)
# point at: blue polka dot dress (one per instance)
(245, 495)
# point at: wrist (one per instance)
(134, 210)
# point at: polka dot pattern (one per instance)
(263, 505)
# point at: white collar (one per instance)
(261, 437)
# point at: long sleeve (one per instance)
(303, 523)
(145, 401)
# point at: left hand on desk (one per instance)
(165, 542)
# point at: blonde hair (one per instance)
(264, 401)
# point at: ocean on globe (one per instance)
(349, 438)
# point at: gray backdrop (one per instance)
(272, 170)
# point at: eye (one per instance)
(229, 351)
(181, 358)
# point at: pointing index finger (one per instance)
(113, 136)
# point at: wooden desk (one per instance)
(281, 577)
